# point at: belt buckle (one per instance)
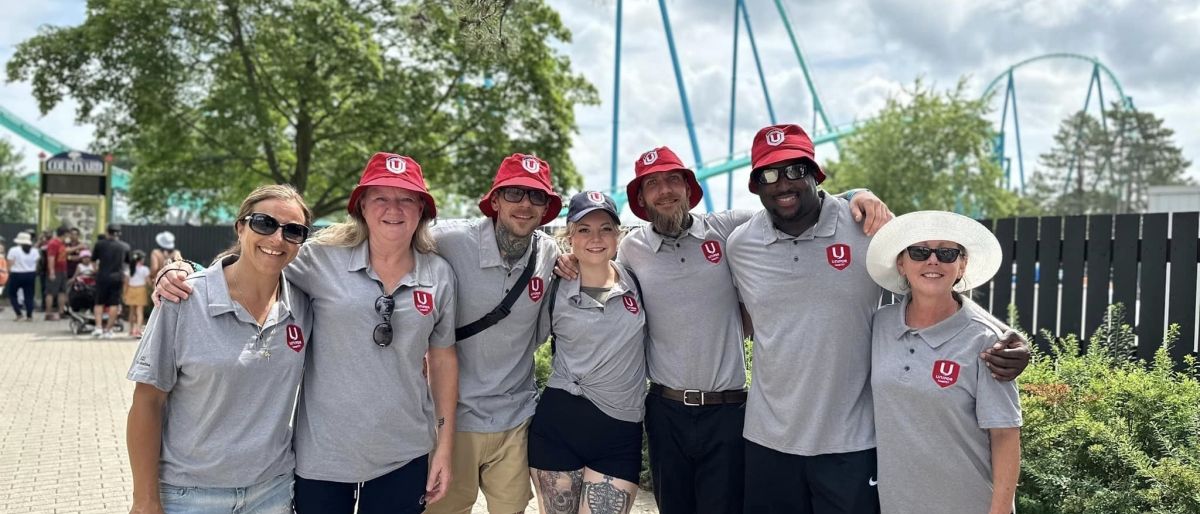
(700, 403)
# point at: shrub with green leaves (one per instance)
(1107, 433)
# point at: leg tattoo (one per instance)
(606, 498)
(560, 490)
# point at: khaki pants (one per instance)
(497, 463)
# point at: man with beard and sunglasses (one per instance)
(800, 271)
(694, 355)
(497, 393)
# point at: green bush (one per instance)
(1107, 433)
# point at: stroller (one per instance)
(81, 298)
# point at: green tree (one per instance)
(18, 194)
(1107, 166)
(209, 98)
(927, 150)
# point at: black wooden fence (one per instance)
(1061, 273)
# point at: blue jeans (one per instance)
(272, 496)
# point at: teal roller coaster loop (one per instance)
(40, 139)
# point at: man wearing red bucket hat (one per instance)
(503, 264)
(800, 270)
(694, 352)
(371, 433)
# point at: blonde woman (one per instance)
(585, 439)
(948, 432)
(371, 433)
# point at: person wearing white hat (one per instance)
(22, 269)
(166, 252)
(940, 416)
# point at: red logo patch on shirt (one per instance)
(295, 338)
(712, 251)
(838, 255)
(945, 373)
(630, 304)
(536, 288)
(423, 301)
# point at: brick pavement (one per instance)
(63, 401)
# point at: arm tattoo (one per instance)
(441, 423)
(606, 498)
(511, 246)
(560, 490)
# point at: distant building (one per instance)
(1174, 199)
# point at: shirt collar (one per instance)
(826, 225)
(575, 289)
(220, 302)
(489, 251)
(421, 274)
(696, 230)
(936, 335)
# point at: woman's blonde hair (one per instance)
(284, 192)
(354, 231)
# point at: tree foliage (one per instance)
(1107, 166)
(18, 195)
(927, 150)
(210, 98)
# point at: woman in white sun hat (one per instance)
(948, 432)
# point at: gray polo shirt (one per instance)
(600, 347)
(496, 390)
(811, 300)
(695, 325)
(231, 384)
(366, 410)
(934, 403)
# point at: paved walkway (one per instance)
(63, 402)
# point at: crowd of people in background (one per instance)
(60, 264)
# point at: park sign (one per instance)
(76, 163)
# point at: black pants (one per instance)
(696, 456)
(836, 483)
(401, 491)
(19, 283)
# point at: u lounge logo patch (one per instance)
(531, 164)
(596, 197)
(945, 373)
(630, 304)
(295, 338)
(536, 288)
(423, 302)
(838, 256)
(711, 250)
(648, 158)
(395, 164)
(774, 137)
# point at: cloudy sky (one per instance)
(859, 53)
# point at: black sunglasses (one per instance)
(265, 225)
(382, 335)
(795, 171)
(516, 194)
(944, 255)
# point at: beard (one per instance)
(670, 222)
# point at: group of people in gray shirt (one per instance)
(680, 298)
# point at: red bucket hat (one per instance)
(391, 170)
(778, 143)
(659, 160)
(527, 171)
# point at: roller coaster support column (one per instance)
(616, 101)
(683, 99)
(737, 7)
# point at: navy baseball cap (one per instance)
(585, 202)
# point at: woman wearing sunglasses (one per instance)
(948, 432)
(217, 377)
(585, 440)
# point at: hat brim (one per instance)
(385, 181)
(982, 248)
(553, 207)
(779, 156)
(23, 240)
(634, 188)
(579, 215)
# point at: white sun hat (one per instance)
(165, 240)
(23, 239)
(982, 249)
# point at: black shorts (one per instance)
(568, 433)
(110, 289)
(834, 483)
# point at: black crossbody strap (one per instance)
(550, 308)
(501, 311)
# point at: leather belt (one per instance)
(698, 398)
